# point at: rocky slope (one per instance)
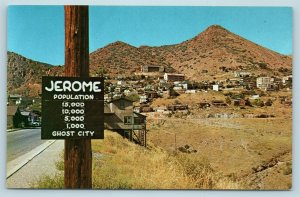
(214, 52)
(24, 76)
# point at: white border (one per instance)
(45, 193)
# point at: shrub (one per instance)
(288, 169)
(262, 65)
(53, 182)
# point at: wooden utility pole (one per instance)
(78, 154)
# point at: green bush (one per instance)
(288, 169)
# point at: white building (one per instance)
(173, 77)
(152, 68)
(215, 87)
(143, 98)
(121, 83)
(287, 79)
(241, 73)
(264, 82)
(180, 86)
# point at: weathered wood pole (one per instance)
(78, 154)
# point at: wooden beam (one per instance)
(78, 154)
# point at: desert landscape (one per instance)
(215, 112)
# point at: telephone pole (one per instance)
(78, 154)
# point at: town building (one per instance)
(14, 99)
(215, 87)
(171, 77)
(264, 83)
(241, 73)
(287, 80)
(143, 98)
(180, 85)
(119, 116)
(152, 68)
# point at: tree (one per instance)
(172, 92)
(228, 100)
(269, 102)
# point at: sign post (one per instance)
(73, 105)
(78, 153)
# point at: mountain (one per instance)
(214, 53)
(120, 57)
(216, 50)
(24, 75)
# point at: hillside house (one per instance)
(264, 83)
(180, 85)
(120, 116)
(152, 95)
(14, 99)
(146, 108)
(241, 73)
(218, 103)
(152, 68)
(143, 98)
(171, 77)
(239, 102)
(287, 81)
(285, 100)
(176, 107)
(107, 97)
(215, 87)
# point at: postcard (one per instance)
(149, 97)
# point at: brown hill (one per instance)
(216, 50)
(24, 75)
(122, 58)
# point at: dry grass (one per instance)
(231, 154)
(233, 146)
(120, 164)
(124, 165)
(190, 99)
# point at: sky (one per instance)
(37, 32)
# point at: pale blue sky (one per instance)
(37, 32)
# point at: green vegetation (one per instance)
(133, 97)
(288, 169)
(50, 182)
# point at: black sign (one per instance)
(72, 107)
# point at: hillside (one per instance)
(214, 53)
(216, 50)
(121, 164)
(120, 57)
(24, 75)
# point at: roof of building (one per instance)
(174, 74)
(15, 96)
(152, 66)
(107, 109)
(122, 98)
(25, 113)
(138, 114)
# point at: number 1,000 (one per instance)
(75, 126)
